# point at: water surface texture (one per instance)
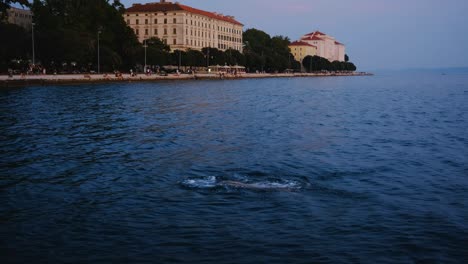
(307, 170)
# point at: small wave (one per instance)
(208, 182)
(213, 182)
(262, 185)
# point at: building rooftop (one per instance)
(316, 33)
(301, 43)
(168, 7)
(311, 38)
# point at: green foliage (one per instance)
(67, 31)
(316, 63)
(14, 47)
(346, 58)
(264, 53)
(158, 44)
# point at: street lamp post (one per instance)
(99, 53)
(145, 46)
(180, 59)
(33, 46)
(208, 59)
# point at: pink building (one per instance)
(327, 46)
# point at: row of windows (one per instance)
(154, 14)
(224, 47)
(197, 33)
(174, 21)
(137, 31)
(174, 32)
(22, 15)
(228, 38)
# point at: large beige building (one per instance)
(327, 46)
(183, 27)
(20, 17)
(300, 50)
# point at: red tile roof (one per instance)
(311, 38)
(301, 43)
(167, 7)
(316, 33)
(337, 43)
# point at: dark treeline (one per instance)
(67, 32)
(316, 63)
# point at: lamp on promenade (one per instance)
(180, 59)
(145, 46)
(33, 46)
(99, 55)
(208, 58)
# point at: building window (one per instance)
(128, 21)
(165, 21)
(146, 31)
(137, 21)
(155, 31)
(146, 21)
(174, 42)
(165, 31)
(156, 21)
(174, 31)
(137, 32)
(175, 21)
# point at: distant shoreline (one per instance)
(75, 79)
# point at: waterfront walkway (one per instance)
(25, 80)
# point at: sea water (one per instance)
(296, 170)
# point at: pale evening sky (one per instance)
(379, 34)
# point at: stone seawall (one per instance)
(74, 79)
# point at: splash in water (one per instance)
(213, 182)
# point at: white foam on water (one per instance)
(207, 182)
(213, 182)
(276, 185)
(286, 185)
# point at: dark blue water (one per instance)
(312, 170)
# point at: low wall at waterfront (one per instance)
(39, 80)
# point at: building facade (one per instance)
(183, 27)
(300, 50)
(327, 46)
(20, 17)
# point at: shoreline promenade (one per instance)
(73, 79)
